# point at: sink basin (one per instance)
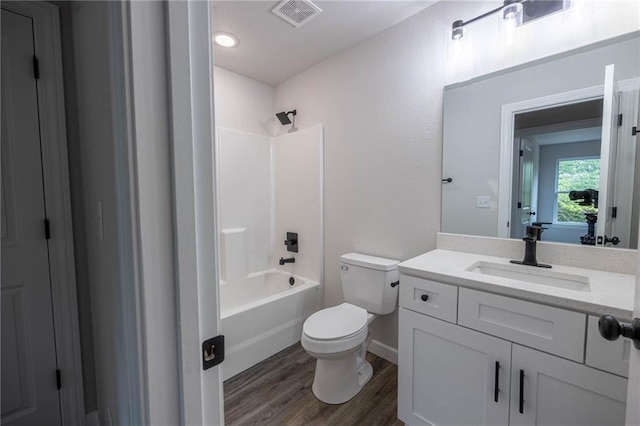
(532, 274)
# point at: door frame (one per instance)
(507, 133)
(180, 208)
(55, 172)
(195, 216)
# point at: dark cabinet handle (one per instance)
(521, 392)
(395, 283)
(610, 328)
(424, 297)
(447, 180)
(496, 389)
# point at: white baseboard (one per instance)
(92, 419)
(384, 351)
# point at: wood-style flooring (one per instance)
(278, 392)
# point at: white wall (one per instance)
(242, 103)
(549, 155)
(381, 106)
(297, 168)
(152, 182)
(96, 158)
(113, 163)
(74, 148)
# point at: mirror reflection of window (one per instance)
(565, 141)
(575, 174)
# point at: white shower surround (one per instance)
(266, 187)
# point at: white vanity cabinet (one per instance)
(447, 374)
(447, 368)
(555, 391)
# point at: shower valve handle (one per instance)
(292, 242)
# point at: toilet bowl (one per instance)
(338, 337)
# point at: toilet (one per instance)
(338, 337)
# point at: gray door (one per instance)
(29, 391)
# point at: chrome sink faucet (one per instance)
(533, 235)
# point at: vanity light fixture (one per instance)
(457, 30)
(514, 13)
(225, 39)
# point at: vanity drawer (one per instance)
(604, 354)
(549, 329)
(441, 299)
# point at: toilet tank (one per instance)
(366, 282)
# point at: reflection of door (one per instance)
(608, 156)
(527, 202)
(29, 392)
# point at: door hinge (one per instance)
(47, 229)
(58, 379)
(519, 205)
(619, 120)
(36, 67)
(634, 131)
(614, 213)
(522, 153)
(212, 352)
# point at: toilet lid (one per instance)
(336, 322)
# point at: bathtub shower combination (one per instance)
(267, 186)
(264, 315)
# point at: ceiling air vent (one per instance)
(296, 12)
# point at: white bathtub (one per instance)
(263, 315)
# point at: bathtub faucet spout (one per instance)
(289, 260)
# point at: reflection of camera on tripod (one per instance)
(590, 237)
(589, 197)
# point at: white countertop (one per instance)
(610, 293)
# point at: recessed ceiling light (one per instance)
(225, 39)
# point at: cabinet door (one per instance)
(447, 374)
(556, 391)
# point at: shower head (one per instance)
(283, 117)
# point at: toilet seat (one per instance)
(337, 322)
(336, 329)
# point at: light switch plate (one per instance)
(483, 202)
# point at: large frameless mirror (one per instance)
(547, 144)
